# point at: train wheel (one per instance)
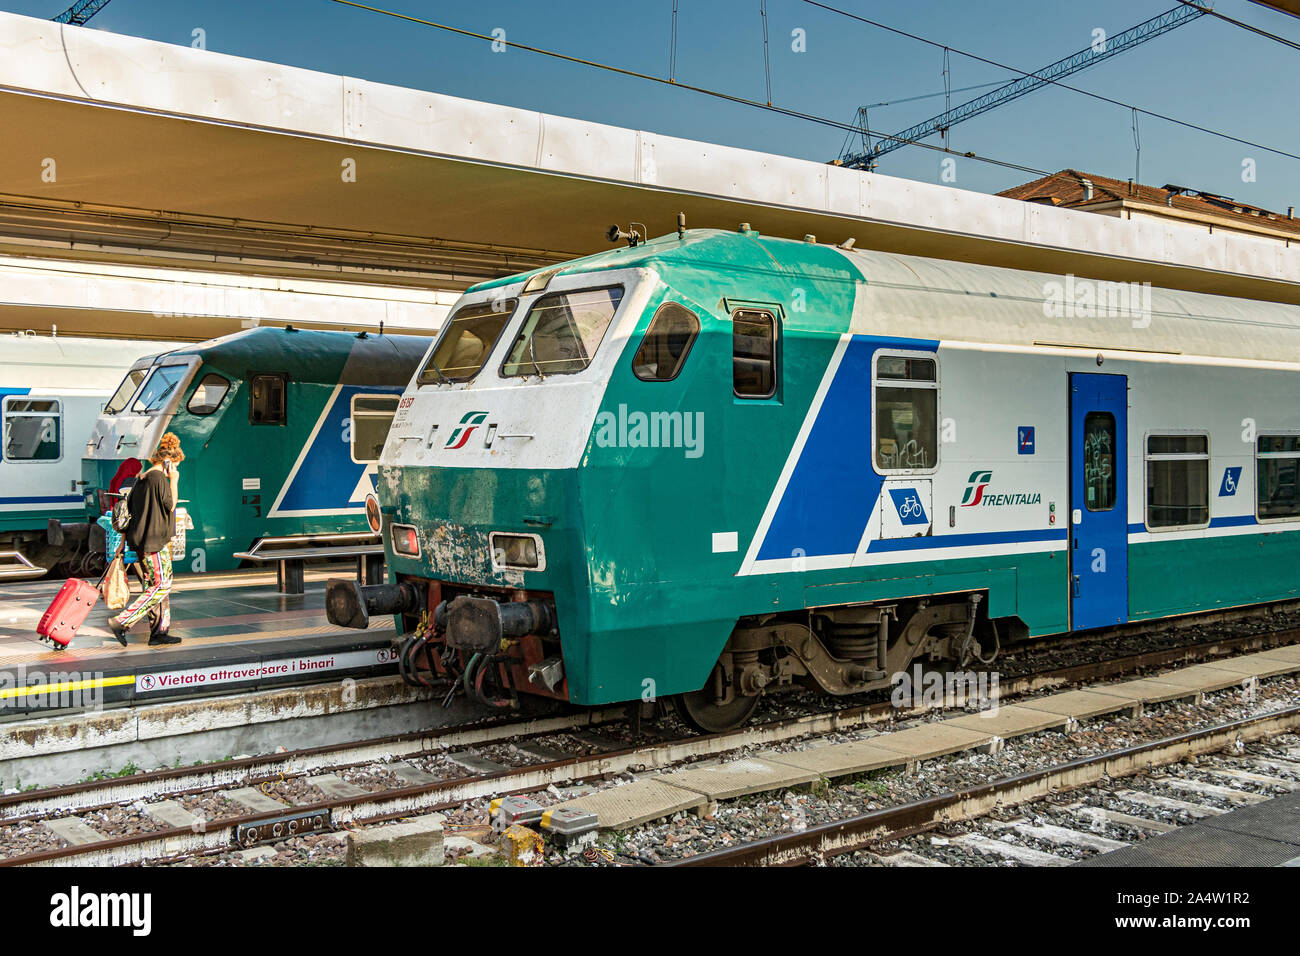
(700, 710)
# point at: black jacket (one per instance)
(153, 513)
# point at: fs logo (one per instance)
(975, 485)
(460, 434)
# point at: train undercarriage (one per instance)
(494, 645)
(842, 650)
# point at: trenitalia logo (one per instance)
(975, 494)
(460, 434)
(975, 485)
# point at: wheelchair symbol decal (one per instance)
(1231, 478)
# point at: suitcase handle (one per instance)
(121, 545)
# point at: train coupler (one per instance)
(348, 603)
(479, 625)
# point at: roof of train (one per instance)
(64, 361)
(918, 297)
(311, 355)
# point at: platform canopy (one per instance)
(1286, 6)
(135, 151)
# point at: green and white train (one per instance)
(713, 465)
(52, 388)
(281, 430)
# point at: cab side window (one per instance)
(266, 399)
(753, 353)
(208, 395)
(372, 417)
(666, 344)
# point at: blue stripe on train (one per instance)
(833, 488)
(974, 539)
(1234, 521)
(42, 500)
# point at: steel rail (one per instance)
(246, 771)
(858, 832)
(389, 804)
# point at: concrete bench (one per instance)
(291, 553)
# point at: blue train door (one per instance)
(1098, 500)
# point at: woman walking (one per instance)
(152, 505)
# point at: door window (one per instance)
(1099, 461)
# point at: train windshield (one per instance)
(162, 384)
(562, 332)
(125, 390)
(467, 340)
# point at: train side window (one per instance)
(1099, 461)
(906, 391)
(372, 416)
(753, 353)
(33, 429)
(1178, 481)
(667, 342)
(208, 395)
(266, 399)
(1277, 470)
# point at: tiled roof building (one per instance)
(1130, 200)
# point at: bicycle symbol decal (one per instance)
(908, 505)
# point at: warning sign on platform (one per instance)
(219, 674)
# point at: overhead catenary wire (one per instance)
(704, 91)
(1065, 86)
(733, 98)
(672, 47)
(1137, 149)
(767, 60)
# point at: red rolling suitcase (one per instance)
(67, 612)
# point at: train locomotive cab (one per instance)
(281, 430)
(573, 479)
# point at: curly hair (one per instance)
(169, 449)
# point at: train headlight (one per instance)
(517, 552)
(405, 540)
(372, 513)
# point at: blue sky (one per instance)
(1207, 72)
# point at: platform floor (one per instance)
(653, 797)
(238, 633)
(1261, 834)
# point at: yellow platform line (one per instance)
(248, 637)
(13, 693)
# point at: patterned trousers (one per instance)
(154, 601)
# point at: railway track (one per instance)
(1062, 808)
(258, 799)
